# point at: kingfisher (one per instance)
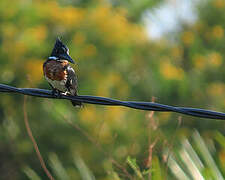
(58, 72)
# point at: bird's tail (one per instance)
(76, 103)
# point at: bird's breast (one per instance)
(55, 70)
(60, 85)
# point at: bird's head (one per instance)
(61, 52)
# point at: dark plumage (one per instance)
(59, 74)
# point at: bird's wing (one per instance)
(71, 82)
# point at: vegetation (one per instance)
(115, 58)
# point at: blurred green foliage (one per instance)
(115, 58)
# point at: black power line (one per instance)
(149, 106)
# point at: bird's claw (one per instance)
(66, 93)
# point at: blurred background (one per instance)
(170, 52)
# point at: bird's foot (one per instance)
(66, 93)
(56, 93)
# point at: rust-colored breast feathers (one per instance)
(55, 70)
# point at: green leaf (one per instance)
(134, 166)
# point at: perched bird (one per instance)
(59, 74)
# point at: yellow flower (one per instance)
(219, 4)
(71, 16)
(9, 31)
(208, 35)
(34, 70)
(79, 38)
(16, 50)
(40, 33)
(216, 89)
(89, 50)
(102, 90)
(215, 59)
(217, 32)
(88, 115)
(114, 26)
(199, 26)
(112, 82)
(199, 61)
(171, 72)
(110, 115)
(188, 38)
(68, 16)
(177, 52)
(37, 33)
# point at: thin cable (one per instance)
(149, 106)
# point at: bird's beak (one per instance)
(67, 57)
